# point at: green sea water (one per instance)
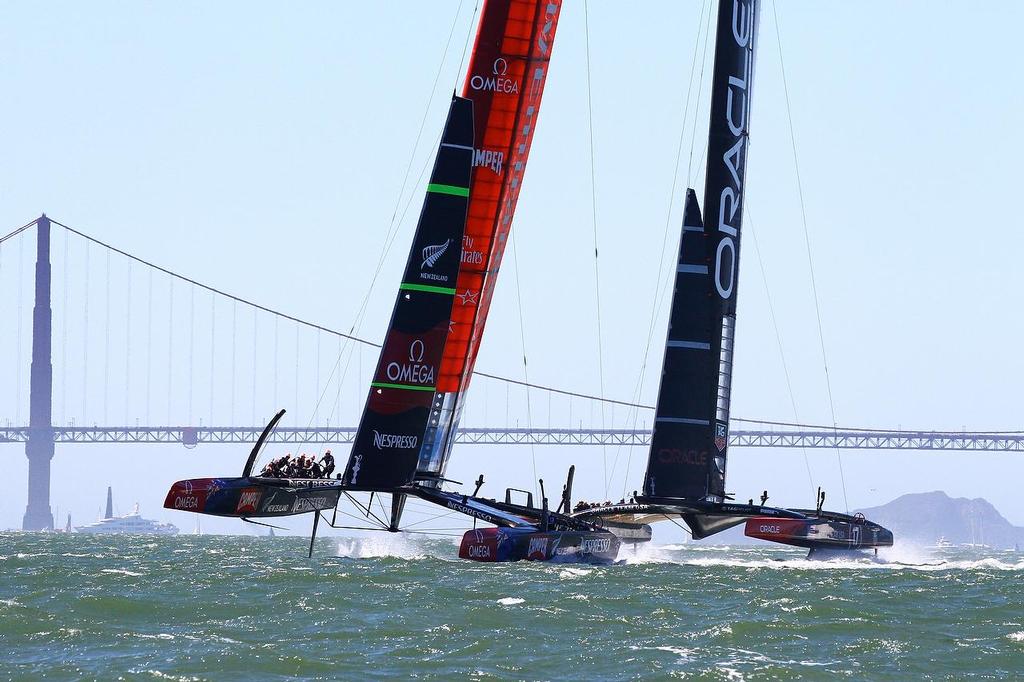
(245, 608)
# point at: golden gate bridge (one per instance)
(181, 349)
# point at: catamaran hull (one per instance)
(820, 535)
(631, 533)
(253, 497)
(519, 544)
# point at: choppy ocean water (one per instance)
(226, 608)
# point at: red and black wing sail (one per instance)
(505, 81)
(691, 424)
(401, 400)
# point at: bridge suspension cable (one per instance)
(321, 328)
(145, 409)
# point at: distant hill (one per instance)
(925, 517)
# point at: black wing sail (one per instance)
(387, 444)
(679, 464)
(690, 440)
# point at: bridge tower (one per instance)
(39, 447)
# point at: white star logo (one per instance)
(468, 296)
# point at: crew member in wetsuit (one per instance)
(327, 463)
(764, 497)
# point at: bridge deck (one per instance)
(847, 440)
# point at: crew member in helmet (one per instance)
(327, 463)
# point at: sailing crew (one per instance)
(327, 462)
(764, 497)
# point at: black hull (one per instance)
(824, 532)
(808, 528)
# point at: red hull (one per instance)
(518, 544)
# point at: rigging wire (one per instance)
(778, 340)
(394, 224)
(465, 46)
(700, 87)
(593, 213)
(807, 243)
(658, 284)
(526, 371)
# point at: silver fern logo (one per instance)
(432, 253)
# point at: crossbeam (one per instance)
(815, 439)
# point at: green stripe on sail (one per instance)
(448, 189)
(404, 387)
(427, 287)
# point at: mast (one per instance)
(401, 399)
(691, 426)
(505, 80)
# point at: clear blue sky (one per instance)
(262, 148)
